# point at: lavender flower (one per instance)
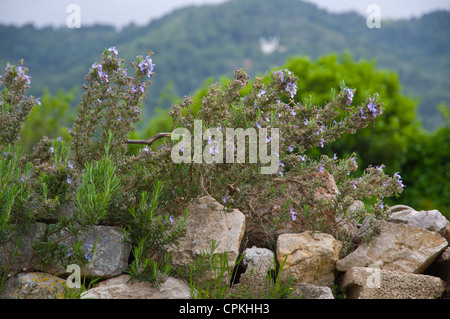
(224, 199)
(399, 180)
(261, 93)
(69, 181)
(38, 101)
(146, 65)
(171, 218)
(291, 149)
(350, 94)
(52, 150)
(291, 87)
(213, 150)
(113, 50)
(293, 214)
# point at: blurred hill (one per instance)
(195, 43)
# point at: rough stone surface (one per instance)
(441, 269)
(398, 247)
(308, 291)
(310, 257)
(120, 288)
(431, 220)
(259, 263)
(372, 283)
(110, 257)
(260, 260)
(208, 220)
(33, 285)
(24, 253)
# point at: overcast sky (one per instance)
(120, 12)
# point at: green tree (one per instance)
(427, 169)
(386, 142)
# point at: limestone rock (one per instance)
(33, 285)
(308, 291)
(260, 260)
(122, 288)
(372, 283)
(28, 237)
(109, 258)
(398, 247)
(208, 220)
(431, 220)
(310, 257)
(257, 277)
(441, 269)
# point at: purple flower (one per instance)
(22, 179)
(261, 93)
(213, 150)
(38, 101)
(399, 180)
(350, 94)
(113, 50)
(70, 165)
(362, 113)
(322, 141)
(52, 149)
(68, 180)
(293, 214)
(302, 158)
(171, 218)
(291, 149)
(88, 257)
(224, 199)
(372, 108)
(321, 168)
(146, 65)
(291, 87)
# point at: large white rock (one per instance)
(122, 288)
(209, 221)
(311, 257)
(398, 247)
(373, 283)
(431, 220)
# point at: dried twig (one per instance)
(150, 140)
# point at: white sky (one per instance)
(123, 12)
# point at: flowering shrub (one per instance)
(111, 186)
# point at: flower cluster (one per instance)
(146, 65)
(372, 108)
(291, 85)
(350, 94)
(97, 69)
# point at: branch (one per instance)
(150, 140)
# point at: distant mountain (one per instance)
(194, 43)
